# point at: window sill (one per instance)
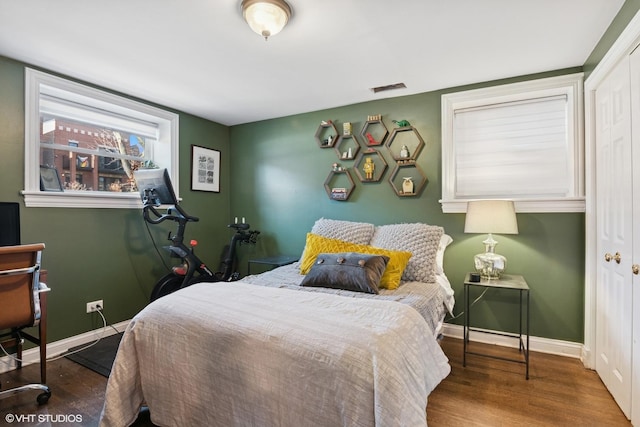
(81, 199)
(525, 206)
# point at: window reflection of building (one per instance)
(85, 171)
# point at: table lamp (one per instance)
(490, 216)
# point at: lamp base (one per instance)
(490, 265)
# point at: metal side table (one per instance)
(510, 282)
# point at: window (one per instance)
(521, 141)
(94, 141)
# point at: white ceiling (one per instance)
(200, 57)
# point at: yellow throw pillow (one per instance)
(316, 245)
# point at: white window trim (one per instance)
(570, 85)
(33, 197)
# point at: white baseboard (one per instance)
(587, 358)
(58, 348)
(542, 345)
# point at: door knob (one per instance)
(617, 257)
(635, 268)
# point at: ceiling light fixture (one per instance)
(266, 17)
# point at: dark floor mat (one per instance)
(98, 357)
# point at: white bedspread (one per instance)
(235, 354)
(431, 300)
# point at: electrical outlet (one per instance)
(93, 306)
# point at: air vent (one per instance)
(388, 87)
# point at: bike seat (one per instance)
(238, 227)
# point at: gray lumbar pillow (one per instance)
(349, 271)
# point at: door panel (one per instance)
(635, 278)
(614, 231)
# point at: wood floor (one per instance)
(487, 392)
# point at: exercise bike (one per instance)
(192, 269)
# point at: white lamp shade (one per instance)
(491, 216)
(266, 17)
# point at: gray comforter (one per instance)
(236, 354)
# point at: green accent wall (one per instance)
(277, 183)
(105, 254)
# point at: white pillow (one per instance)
(445, 241)
(422, 240)
(353, 232)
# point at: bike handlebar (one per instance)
(181, 216)
(238, 227)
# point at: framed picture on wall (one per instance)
(205, 169)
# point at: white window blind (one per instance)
(517, 148)
(521, 141)
(66, 104)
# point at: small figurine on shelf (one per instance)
(376, 118)
(325, 123)
(335, 167)
(327, 140)
(368, 168)
(371, 139)
(407, 185)
(404, 152)
(401, 123)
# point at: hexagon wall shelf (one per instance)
(334, 179)
(378, 160)
(406, 136)
(327, 134)
(347, 147)
(374, 133)
(411, 170)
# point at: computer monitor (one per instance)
(155, 187)
(9, 223)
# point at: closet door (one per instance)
(635, 268)
(614, 235)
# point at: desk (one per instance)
(272, 261)
(510, 282)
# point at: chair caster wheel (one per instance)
(43, 397)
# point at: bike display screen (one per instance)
(155, 187)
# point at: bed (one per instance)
(274, 350)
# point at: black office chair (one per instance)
(23, 305)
